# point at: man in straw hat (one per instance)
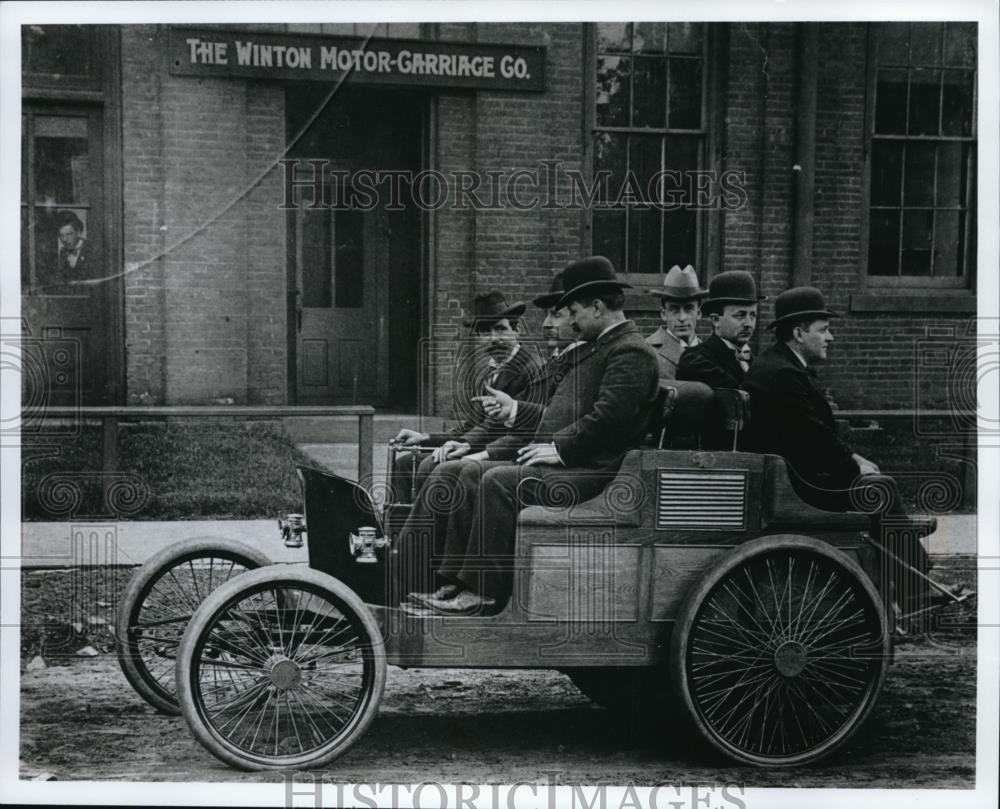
(497, 359)
(722, 361)
(598, 411)
(792, 418)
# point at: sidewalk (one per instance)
(61, 544)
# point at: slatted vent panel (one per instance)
(701, 501)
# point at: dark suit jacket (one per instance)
(668, 352)
(517, 377)
(602, 406)
(792, 418)
(712, 362)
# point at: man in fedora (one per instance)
(722, 361)
(598, 411)
(496, 359)
(680, 309)
(792, 418)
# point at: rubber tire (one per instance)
(234, 591)
(690, 613)
(139, 585)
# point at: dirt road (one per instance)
(81, 720)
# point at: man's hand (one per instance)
(497, 405)
(539, 454)
(476, 456)
(865, 466)
(409, 438)
(450, 450)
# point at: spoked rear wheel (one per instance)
(281, 668)
(780, 651)
(158, 603)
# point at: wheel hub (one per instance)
(284, 672)
(790, 658)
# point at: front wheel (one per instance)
(780, 651)
(280, 669)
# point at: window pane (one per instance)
(25, 247)
(609, 155)
(645, 158)
(890, 102)
(956, 112)
(682, 153)
(919, 166)
(892, 43)
(887, 172)
(609, 236)
(612, 97)
(65, 50)
(348, 261)
(62, 160)
(644, 240)
(918, 231)
(649, 37)
(960, 44)
(680, 238)
(316, 286)
(950, 170)
(883, 243)
(613, 36)
(685, 93)
(925, 43)
(685, 37)
(650, 89)
(925, 101)
(947, 244)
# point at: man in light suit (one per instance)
(680, 308)
(599, 411)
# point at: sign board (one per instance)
(400, 62)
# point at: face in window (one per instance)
(681, 318)
(812, 340)
(737, 322)
(497, 337)
(558, 327)
(69, 237)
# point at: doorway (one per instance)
(354, 257)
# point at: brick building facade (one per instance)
(205, 275)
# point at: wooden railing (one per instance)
(110, 416)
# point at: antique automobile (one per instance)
(697, 574)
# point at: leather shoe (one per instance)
(443, 593)
(466, 602)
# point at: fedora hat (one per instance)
(800, 302)
(589, 274)
(734, 286)
(680, 286)
(493, 306)
(548, 300)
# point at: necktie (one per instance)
(743, 358)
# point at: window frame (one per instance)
(895, 287)
(713, 104)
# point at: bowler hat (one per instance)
(589, 274)
(680, 285)
(492, 306)
(734, 286)
(547, 301)
(800, 302)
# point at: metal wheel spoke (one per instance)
(329, 700)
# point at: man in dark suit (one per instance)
(792, 418)
(498, 359)
(722, 361)
(598, 411)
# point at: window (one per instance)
(649, 143)
(65, 56)
(923, 155)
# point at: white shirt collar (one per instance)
(609, 328)
(798, 356)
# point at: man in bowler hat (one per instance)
(722, 361)
(792, 418)
(497, 359)
(599, 410)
